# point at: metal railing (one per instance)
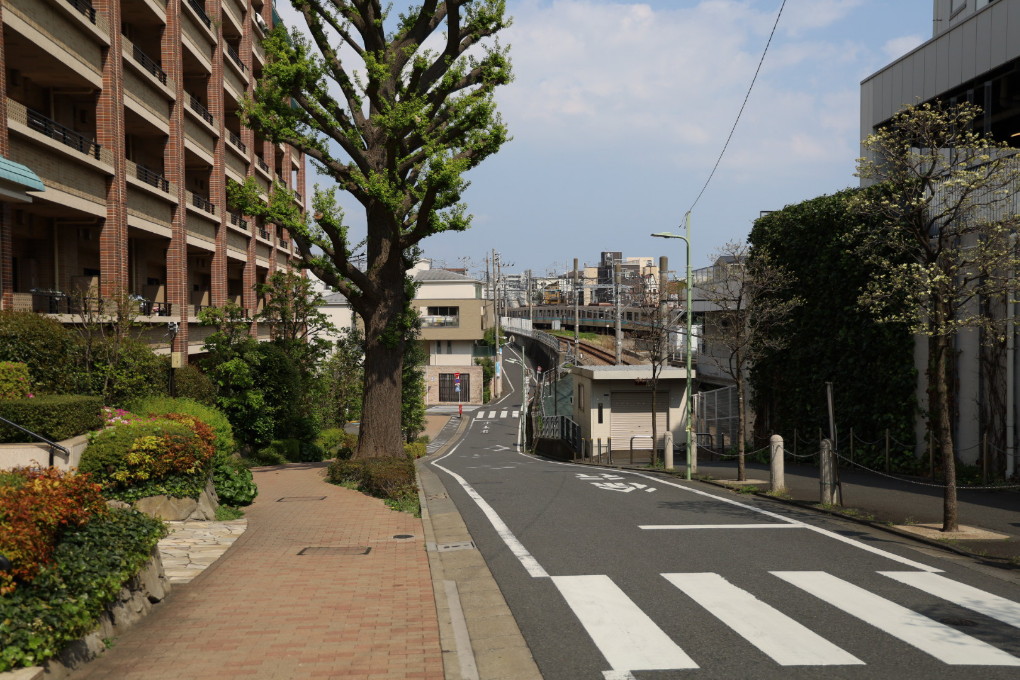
(66, 135)
(262, 165)
(203, 204)
(197, 106)
(440, 321)
(85, 7)
(236, 57)
(52, 445)
(264, 234)
(200, 11)
(152, 177)
(236, 141)
(149, 63)
(150, 308)
(237, 221)
(285, 244)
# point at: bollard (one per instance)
(777, 476)
(667, 450)
(828, 486)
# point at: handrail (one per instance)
(53, 445)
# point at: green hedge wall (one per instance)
(54, 416)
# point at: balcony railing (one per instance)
(151, 177)
(150, 65)
(55, 130)
(150, 308)
(299, 197)
(200, 11)
(85, 7)
(285, 245)
(203, 203)
(236, 141)
(235, 219)
(236, 57)
(262, 164)
(264, 234)
(440, 321)
(201, 110)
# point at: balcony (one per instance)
(235, 219)
(85, 7)
(437, 321)
(197, 107)
(285, 244)
(203, 203)
(236, 141)
(55, 130)
(200, 11)
(232, 53)
(151, 177)
(262, 165)
(149, 64)
(264, 234)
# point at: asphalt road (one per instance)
(615, 575)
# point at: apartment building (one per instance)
(119, 131)
(974, 56)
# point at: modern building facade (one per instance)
(973, 56)
(126, 112)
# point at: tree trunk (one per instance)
(741, 428)
(380, 433)
(655, 429)
(944, 430)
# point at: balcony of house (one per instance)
(235, 75)
(450, 320)
(234, 13)
(71, 32)
(199, 281)
(144, 76)
(197, 28)
(148, 276)
(202, 214)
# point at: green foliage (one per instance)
(342, 381)
(89, 566)
(292, 451)
(233, 481)
(35, 506)
(334, 440)
(160, 406)
(415, 449)
(389, 478)
(192, 383)
(55, 417)
(44, 345)
(14, 380)
(140, 459)
(488, 372)
(412, 385)
(830, 338)
(123, 371)
(226, 513)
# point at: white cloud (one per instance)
(897, 47)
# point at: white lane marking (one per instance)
(515, 414)
(990, 605)
(465, 654)
(624, 634)
(787, 642)
(618, 675)
(655, 527)
(529, 563)
(825, 532)
(492, 414)
(502, 414)
(944, 643)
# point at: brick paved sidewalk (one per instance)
(264, 611)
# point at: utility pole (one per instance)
(531, 306)
(497, 380)
(577, 317)
(619, 324)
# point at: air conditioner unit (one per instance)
(261, 23)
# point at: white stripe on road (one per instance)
(656, 527)
(502, 414)
(492, 414)
(624, 634)
(990, 605)
(787, 642)
(944, 643)
(529, 563)
(515, 414)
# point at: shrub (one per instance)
(35, 506)
(192, 383)
(334, 440)
(233, 481)
(141, 459)
(292, 451)
(390, 478)
(14, 382)
(211, 416)
(54, 416)
(44, 345)
(415, 449)
(266, 456)
(89, 566)
(129, 370)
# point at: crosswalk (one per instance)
(494, 415)
(630, 640)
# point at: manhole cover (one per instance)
(335, 550)
(450, 547)
(295, 499)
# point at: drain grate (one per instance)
(335, 550)
(295, 499)
(450, 547)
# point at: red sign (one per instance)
(456, 376)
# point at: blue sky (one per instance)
(620, 109)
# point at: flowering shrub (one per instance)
(35, 506)
(14, 382)
(118, 416)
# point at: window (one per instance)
(444, 311)
(600, 413)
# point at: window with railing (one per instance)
(203, 203)
(149, 64)
(264, 234)
(199, 8)
(152, 177)
(236, 141)
(85, 7)
(262, 164)
(285, 244)
(235, 219)
(55, 130)
(441, 317)
(232, 53)
(196, 106)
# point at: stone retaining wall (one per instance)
(27, 455)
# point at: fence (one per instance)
(716, 418)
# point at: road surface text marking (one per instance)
(612, 483)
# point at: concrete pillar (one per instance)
(827, 481)
(668, 449)
(777, 476)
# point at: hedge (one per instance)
(213, 417)
(90, 565)
(54, 416)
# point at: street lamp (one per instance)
(686, 238)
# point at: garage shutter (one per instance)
(632, 416)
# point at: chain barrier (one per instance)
(927, 484)
(791, 454)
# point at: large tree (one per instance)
(394, 110)
(946, 223)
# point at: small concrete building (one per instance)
(615, 403)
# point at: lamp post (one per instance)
(686, 238)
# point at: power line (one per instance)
(740, 113)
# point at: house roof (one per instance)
(334, 299)
(443, 275)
